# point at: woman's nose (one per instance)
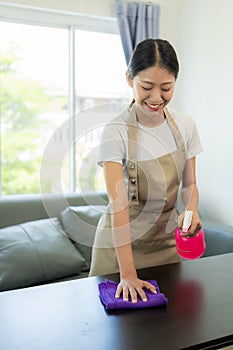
(156, 95)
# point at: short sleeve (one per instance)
(189, 132)
(193, 141)
(112, 145)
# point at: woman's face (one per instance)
(153, 88)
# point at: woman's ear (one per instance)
(129, 80)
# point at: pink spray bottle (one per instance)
(189, 248)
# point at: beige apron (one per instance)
(153, 188)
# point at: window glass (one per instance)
(101, 94)
(33, 96)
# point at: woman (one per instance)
(145, 153)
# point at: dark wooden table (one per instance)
(70, 316)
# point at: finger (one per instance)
(142, 294)
(191, 234)
(125, 294)
(118, 291)
(193, 230)
(133, 295)
(150, 287)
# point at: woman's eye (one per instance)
(165, 90)
(145, 88)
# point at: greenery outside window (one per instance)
(36, 94)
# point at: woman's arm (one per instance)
(118, 199)
(190, 195)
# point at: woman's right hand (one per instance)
(132, 287)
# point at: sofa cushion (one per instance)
(218, 237)
(35, 252)
(80, 224)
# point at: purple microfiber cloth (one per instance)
(107, 290)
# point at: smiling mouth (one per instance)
(154, 107)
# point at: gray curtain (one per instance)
(136, 22)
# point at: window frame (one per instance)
(56, 18)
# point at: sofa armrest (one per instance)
(218, 237)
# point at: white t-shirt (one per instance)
(151, 142)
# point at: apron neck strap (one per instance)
(175, 130)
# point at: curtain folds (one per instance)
(136, 22)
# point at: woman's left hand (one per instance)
(196, 224)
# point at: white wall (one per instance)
(201, 32)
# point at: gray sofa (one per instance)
(46, 239)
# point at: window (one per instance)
(36, 94)
(100, 91)
(34, 91)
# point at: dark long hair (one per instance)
(150, 52)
